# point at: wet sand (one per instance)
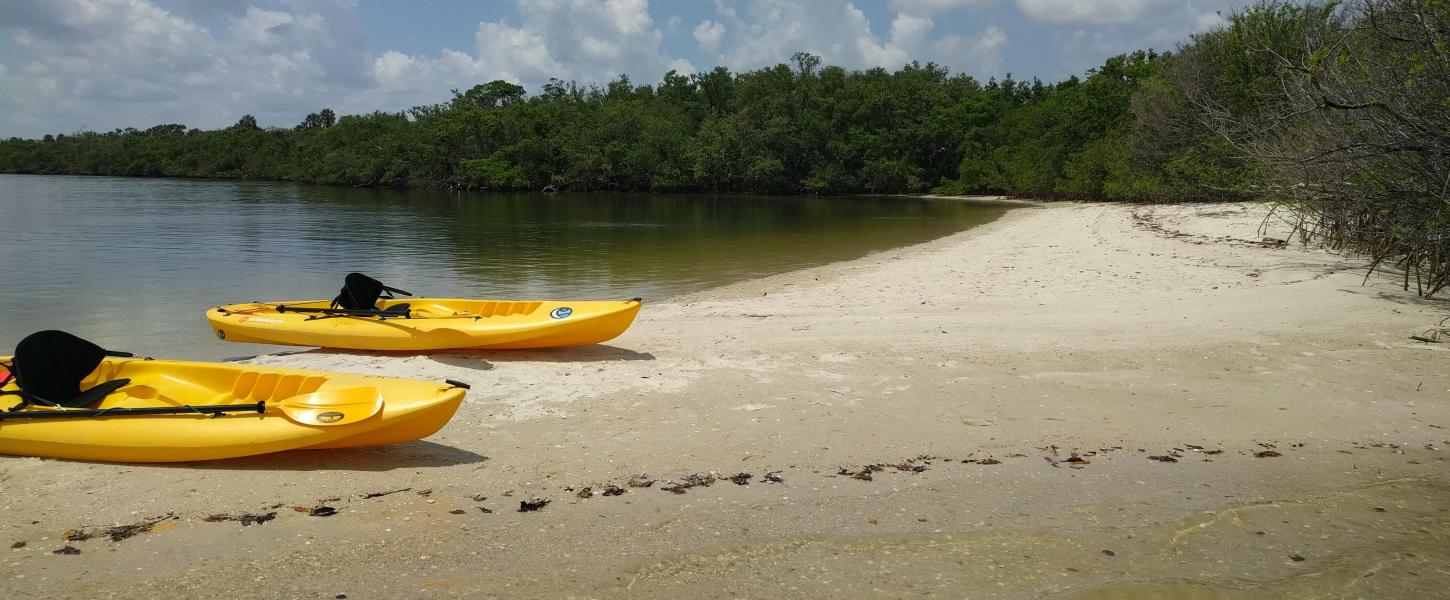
(922, 407)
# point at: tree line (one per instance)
(1339, 111)
(792, 128)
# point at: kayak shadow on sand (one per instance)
(483, 359)
(411, 455)
(477, 359)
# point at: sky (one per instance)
(73, 65)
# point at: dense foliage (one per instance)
(788, 128)
(1340, 111)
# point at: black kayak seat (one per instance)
(360, 292)
(49, 366)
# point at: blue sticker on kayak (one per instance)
(562, 312)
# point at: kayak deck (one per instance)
(410, 410)
(432, 324)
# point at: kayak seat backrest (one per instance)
(50, 365)
(359, 292)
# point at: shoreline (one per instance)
(796, 276)
(1003, 397)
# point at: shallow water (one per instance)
(133, 263)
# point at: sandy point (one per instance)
(1075, 400)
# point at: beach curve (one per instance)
(1063, 351)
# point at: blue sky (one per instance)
(68, 65)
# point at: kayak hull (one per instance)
(410, 410)
(435, 324)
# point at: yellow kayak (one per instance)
(425, 323)
(168, 411)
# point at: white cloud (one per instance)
(68, 57)
(910, 31)
(770, 31)
(980, 54)
(262, 27)
(566, 39)
(106, 63)
(708, 35)
(1123, 26)
(102, 64)
(767, 32)
(927, 7)
(1091, 12)
(682, 66)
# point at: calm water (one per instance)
(133, 263)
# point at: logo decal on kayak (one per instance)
(260, 320)
(221, 335)
(329, 417)
(562, 312)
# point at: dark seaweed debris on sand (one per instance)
(1075, 460)
(700, 479)
(372, 495)
(910, 465)
(118, 532)
(244, 518)
(590, 492)
(68, 550)
(867, 472)
(864, 473)
(689, 481)
(918, 464)
(533, 504)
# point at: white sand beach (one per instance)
(1168, 407)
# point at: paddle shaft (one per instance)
(214, 409)
(343, 311)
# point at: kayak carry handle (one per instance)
(458, 384)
